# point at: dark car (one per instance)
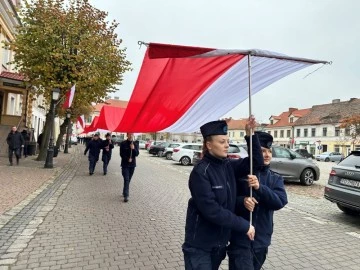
(343, 187)
(304, 153)
(158, 149)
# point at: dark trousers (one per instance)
(92, 163)
(246, 258)
(17, 152)
(127, 173)
(106, 160)
(25, 150)
(198, 259)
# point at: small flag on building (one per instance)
(69, 97)
(81, 121)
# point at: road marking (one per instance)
(354, 234)
(315, 220)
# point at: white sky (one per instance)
(319, 29)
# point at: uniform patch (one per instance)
(217, 187)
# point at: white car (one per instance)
(169, 150)
(184, 153)
(141, 144)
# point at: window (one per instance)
(324, 132)
(305, 132)
(271, 122)
(281, 152)
(281, 134)
(347, 131)
(288, 133)
(337, 131)
(88, 120)
(241, 133)
(298, 132)
(6, 54)
(291, 120)
(313, 132)
(275, 133)
(337, 148)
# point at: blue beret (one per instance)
(265, 139)
(214, 128)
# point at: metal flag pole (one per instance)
(250, 114)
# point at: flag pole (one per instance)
(250, 114)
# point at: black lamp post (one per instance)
(66, 150)
(50, 152)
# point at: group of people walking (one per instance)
(129, 150)
(17, 144)
(218, 213)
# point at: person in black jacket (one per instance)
(269, 195)
(107, 146)
(94, 146)
(15, 142)
(26, 137)
(210, 214)
(129, 150)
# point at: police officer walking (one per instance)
(269, 195)
(107, 146)
(129, 150)
(212, 183)
(15, 142)
(94, 147)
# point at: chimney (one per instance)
(292, 109)
(353, 99)
(117, 98)
(336, 100)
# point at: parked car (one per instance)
(169, 150)
(184, 153)
(147, 144)
(330, 156)
(196, 157)
(141, 144)
(158, 149)
(236, 151)
(116, 139)
(152, 143)
(304, 153)
(293, 166)
(343, 187)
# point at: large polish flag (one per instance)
(179, 88)
(69, 97)
(109, 118)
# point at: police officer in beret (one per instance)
(269, 195)
(94, 146)
(212, 183)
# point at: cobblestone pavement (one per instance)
(81, 222)
(18, 182)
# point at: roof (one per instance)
(12, 75)
(284, 117)
(331, 113)
(111, 102)
(237, 124)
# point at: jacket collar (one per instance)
(214, 159)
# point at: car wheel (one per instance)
(348, 211)
(160, 153)
(185, 161)
(327, 159)
(168, 155)
(307, 177)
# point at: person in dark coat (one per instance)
(107, 146)
(129, 150)
(26, 137)
(210, 214)
(94, 147)
(269, 195)
(15, 142)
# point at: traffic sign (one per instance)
(319, 147)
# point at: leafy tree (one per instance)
(352, 123)
(63, 42)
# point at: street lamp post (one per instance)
(50, 152)
(66, 150)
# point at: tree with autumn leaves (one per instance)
(63, 42)
(353, 124)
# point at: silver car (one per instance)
(330, 156)
(293, 166)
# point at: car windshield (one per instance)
(351, 161)
(233, 149)
(296, 154)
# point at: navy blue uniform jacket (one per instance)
(106, 152)
(125, 153)
(94, 147)
(210, 214)
(271, 196)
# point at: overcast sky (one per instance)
(318, 29)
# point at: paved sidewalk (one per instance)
(81, 222)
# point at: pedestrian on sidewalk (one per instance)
(269, 195)
(15, 142)
(212, 183)
(107, 146)
(94, 147)
(129, 150)
(25, 134)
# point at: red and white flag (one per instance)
(69, 96)
(80, 121)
